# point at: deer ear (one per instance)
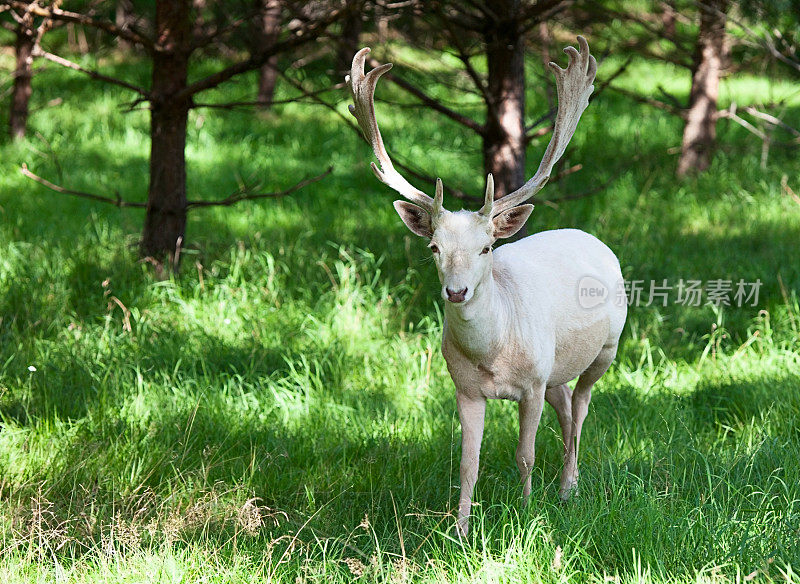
(509, 222)
(416, 218)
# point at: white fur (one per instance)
(514, 326)
(522, 334)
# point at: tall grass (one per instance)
(280, 410)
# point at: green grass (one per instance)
(280, 411)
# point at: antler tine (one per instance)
(488, 198)
(574, 86)
(362, 88)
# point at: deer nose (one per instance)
(456, 296)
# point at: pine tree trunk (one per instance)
(699, 134)
(21, 92)
(504, 139)
(165, 219)
(269, 29)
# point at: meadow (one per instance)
(280, 411)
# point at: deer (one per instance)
(516, 323)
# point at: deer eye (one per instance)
(485, 250)
(433, 248)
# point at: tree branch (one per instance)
(458, 194)
(117, 201)
(529, 129)
(535, 13)
(652, 28)
(667, 107)
(471, 22)
(432, 103)
(235, 104)
(594, 190)
(39, 52)
(464, 57)
(56, 13)
(301, 37)
(245, 194)
(206, 38)
(765, 41)
(607, 81)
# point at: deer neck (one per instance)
(476, 326)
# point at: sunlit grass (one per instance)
(280, 410)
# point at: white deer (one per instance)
(516, 324)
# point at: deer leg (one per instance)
(471, 414)
(560, 397)
(580, 407)
(530, 412)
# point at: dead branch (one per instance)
(52, 103)
(731, 114)
(245, 194)
(39, 52)
(117, 201)
(788, 190)
(770, 119)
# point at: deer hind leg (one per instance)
(560, 397)
(530, 412)
(580, 407)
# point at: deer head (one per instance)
(461, 241)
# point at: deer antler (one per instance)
(362, 88)
(574, 85)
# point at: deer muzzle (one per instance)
(456, 296)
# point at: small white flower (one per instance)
(31, 368)
(227, 321)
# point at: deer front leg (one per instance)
(530, 412)
(471, 413)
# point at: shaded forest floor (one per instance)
(281, 411)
